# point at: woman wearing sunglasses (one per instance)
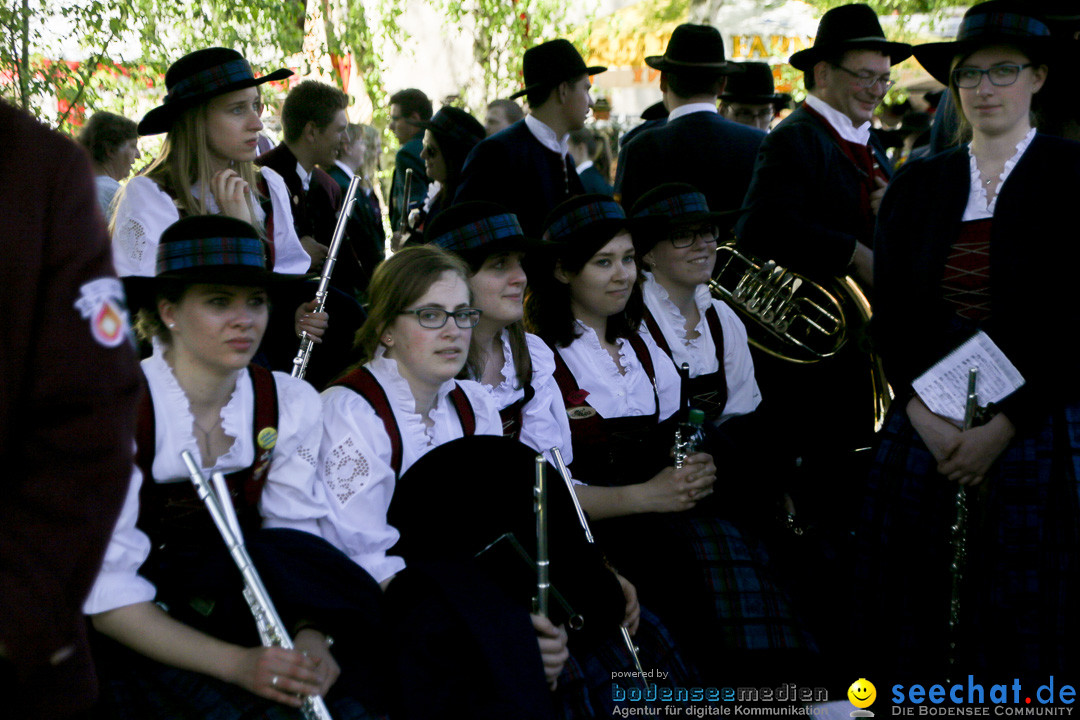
(965, 241)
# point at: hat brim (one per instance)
(590, 71)
(161, 118)
(756, 99)
(647, 230)
(805, 60)
(936, 58)
(722, 67)
(142, 289)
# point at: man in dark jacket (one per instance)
(408, 108)
(67, 415)
(696, 145)
(527, 168)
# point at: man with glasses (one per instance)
(750, 97)
(811, 208)
(696, 145)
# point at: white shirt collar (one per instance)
(305, 176)
(547, 137)
(345, 169)
(840, 122)
(584, 166)
(691, 108)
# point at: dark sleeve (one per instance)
(629, 180)
(484, 176)
(404, 161)
(68, 403)
(786, 219)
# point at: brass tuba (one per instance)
(793, 318)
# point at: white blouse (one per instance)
(291, 497)
(355, 455)
(544, 423)
(977, 207)
(700, 353)
(144, 210)
(612, 393)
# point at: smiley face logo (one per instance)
(862, 693)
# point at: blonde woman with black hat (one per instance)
(177, 638)
(963, 244)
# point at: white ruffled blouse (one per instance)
(291, 497)
(144, 210)
(977, 207)
(355, 454)
(544, 423)
(615, 394)
(700, 353)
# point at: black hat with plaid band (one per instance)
(198, 77)
(848, 27)
(474, 230)
(986, 24)
(671, 206)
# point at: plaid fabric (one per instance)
(581, 217)
(676, 205)
(978, 25)
(1023, 554)
(211, 79)
(211, 252)
(584, 689)
(480, 233)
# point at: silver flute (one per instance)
(272, 630)
(556, 455)
(543, 569)
(959, 530)
(303, 355)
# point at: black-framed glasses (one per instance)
(1000, 75)
(749, 115)
(685, 237)
(434, 318)
(867, 80)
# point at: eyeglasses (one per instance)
(1000, 75)
(434, 318)
(867, 80)
(686, 237)
(746, 115)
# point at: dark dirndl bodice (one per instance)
(511, 414)
(706, 392)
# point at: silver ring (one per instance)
(274, 681)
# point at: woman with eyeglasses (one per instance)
(621, 393)
(378, 420)
(965, 242)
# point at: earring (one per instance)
(172, 326)
(387, 340)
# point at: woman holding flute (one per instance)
(176, 638)
(963, 244)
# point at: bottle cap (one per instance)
(696, 416)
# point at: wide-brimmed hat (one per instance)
(988, 23)
(584, 224)
(548, 64)
(753, 86)
(694, 48)
(198, 77)
(475, 230)
(214, 249)
(668, 207)
(849, 27)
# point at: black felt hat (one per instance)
(694, 48)
(668, 207)
(754, 86)
(548, 64)
(475, 230)
(849, 27)
(989, 23)
(198, 77)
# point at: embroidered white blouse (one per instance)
(354, 458)
(977, 207)
(612, 393)
(700, 353)
(292, 496)
(144, 210)
(544, 423)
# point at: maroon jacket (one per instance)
(68, 386)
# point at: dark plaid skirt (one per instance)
(585, 685)
(1021, 588)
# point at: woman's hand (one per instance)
(632, 613)
(316, 646)
(940, 436)
(317, 251)
(553, 650)
(231, 193)
(977, 450)
(284, 676)
(674, 490)
(306, 320)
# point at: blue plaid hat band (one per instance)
(675, 205)
(479, 233)
(213, 252)
(1001, 24)
(211, 79)
(581, 217)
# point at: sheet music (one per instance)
(944, 386)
